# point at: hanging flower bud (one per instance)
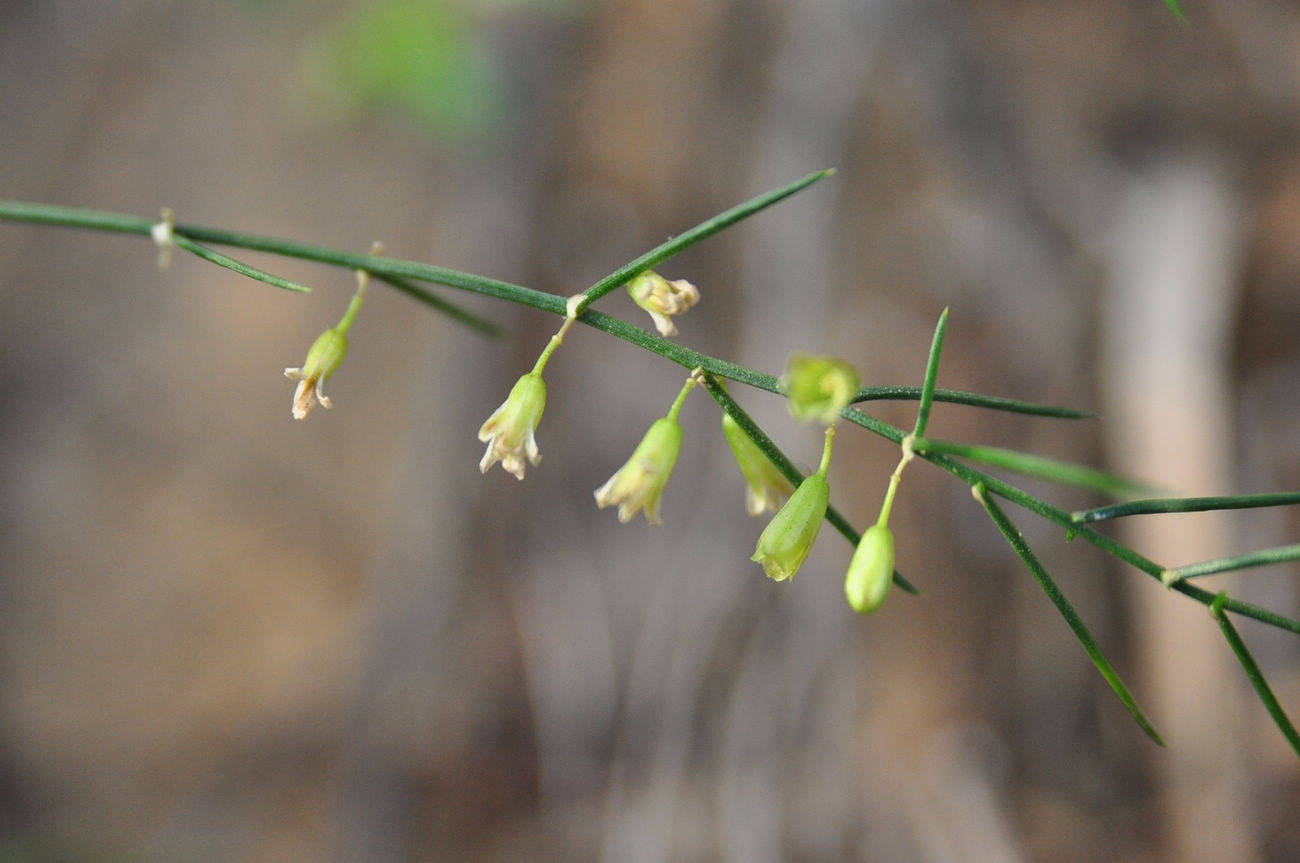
(789, 536)
(323, 359)
(766, 487)
(509, 431)
(818, 388)
(639, 484)
(662, 298)
(871, 571)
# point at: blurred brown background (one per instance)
(228, 636)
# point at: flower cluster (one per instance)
(817, 388)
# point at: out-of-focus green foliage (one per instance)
(428, 62)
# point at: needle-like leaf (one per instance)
(1017, 541)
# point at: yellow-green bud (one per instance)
(323, 359)
(871, 571)
(767, 487)
(639, 484)
(662, 298)
(788, 537)
(509, 430)
(818, 388)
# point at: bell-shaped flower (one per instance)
(818, 388)
(766, 487)
(509, 431)
(789, 536)
(323, 359)
(871, 571)
(639, 484)
(662, 298)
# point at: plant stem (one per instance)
(691, 383)
(1185, 504)
(556, 340)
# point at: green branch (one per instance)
(1066, 610)
(1185, 504)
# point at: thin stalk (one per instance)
(1253, 672)
(1185, 504)
(676, 409)
(1017, 542)
(1281, 554)
(705, 229)
(354, 305)
(395, 271)
(556, 340)
(1063, 473)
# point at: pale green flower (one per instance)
(766, 486)
(789, 536)
(662, 298)
(818, 388)
(323, 359)
(509, 431)
(639, 484)
(871, 571)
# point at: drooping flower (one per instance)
(326, 353)
(766, 487)
(789, 536)
(639, 484)
(323, 359)
(509, 431)
(662, 298)
(871, 571)
(818, 388)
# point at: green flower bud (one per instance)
(639, 484)
(323, 359)
(509, 430)
(818, 388)
(767, 487)
(789, 536)
(871, 571)
(662, 298)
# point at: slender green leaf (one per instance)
(958, 397)
(1064, 473)
(238, 266)
(1281, 554)
(931, 375)
(783, 464)
(703, 230)
(447, 307)
(1254, 673)
(1185, 504)
(1017, 541)
(1176, 9)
